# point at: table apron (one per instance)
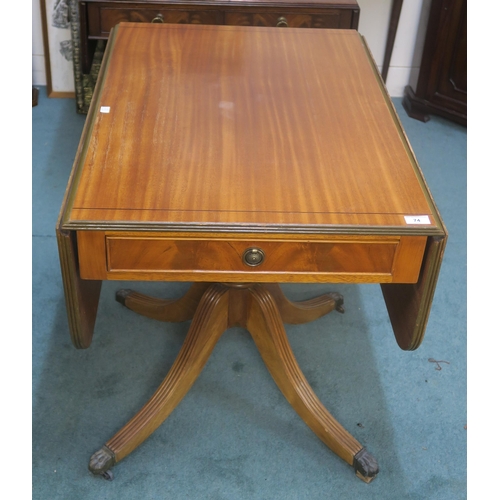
(358, 259)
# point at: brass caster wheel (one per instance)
(101, 461)
(108, 475)
(365, 466)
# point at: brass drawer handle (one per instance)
(158, 19)
(282, 22)
(253, 256)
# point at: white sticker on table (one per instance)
(417, 219)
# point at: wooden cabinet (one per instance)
(94, 19)
(442, 81)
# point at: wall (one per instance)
(373, 25)
(38, 60)
(407, 52)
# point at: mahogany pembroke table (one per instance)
(238, 158)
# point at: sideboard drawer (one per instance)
(335, 19)
(104, 18)
(96, 18)
(104, 255)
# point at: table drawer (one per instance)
(336, 19)
(372, 259)
(102, 19)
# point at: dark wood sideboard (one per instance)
(92, 21)
(442, 81)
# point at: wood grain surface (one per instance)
(201, 257)
(233, 125)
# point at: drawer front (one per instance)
(136, 257)
(337, 19)
(103, 19)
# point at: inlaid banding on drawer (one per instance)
(388, 259)
(153, 254)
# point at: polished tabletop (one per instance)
(198, 127)
(206, 142)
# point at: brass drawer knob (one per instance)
(158, 19)
(253, 257)
(282, 22)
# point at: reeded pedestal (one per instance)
(261, 309)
